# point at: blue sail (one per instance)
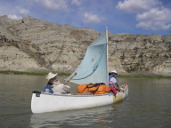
(94, 66)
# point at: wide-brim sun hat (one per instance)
(51, 75)
(114, 71)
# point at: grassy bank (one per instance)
(145, 76)
(67, 74)
(31, 73)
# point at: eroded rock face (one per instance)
(33, 45)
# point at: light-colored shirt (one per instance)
(112, 81)
(61, 89)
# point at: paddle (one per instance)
(126, 81)
(124, 85)
(70, 78)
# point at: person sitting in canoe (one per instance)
(113, 82)
(54, 85)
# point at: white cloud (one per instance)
(23, 11)
(137, 6)
(53, 4)
(12, 11)
(76, 2)
(155, 19)
(18, 13)
(150, 14)
(91, 18)
(14, 17)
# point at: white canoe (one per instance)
(45, 102)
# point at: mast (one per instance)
(107, 55)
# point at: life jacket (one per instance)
(48, 88)
(98, 88)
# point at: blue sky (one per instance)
(120, 16)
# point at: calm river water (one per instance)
(147, 105)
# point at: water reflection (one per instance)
(75, 118)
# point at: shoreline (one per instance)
(147, 76)
(31, 73)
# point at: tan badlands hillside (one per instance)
(33, 45)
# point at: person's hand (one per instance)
(121, 89)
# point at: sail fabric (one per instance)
(93, 68)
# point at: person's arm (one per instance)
(67, 88)
(117, 88)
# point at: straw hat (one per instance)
(114, 71)
(51, 75)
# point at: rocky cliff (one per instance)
(33, 45)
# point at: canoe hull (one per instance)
(44, 102)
